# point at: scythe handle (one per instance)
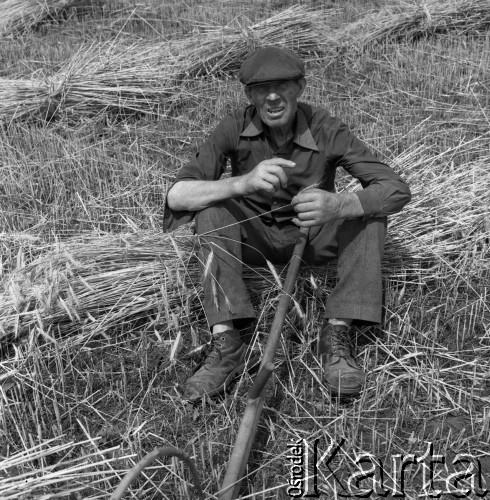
(255, 401)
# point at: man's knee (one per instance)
(327, 241)
(214, 217)
(378, 223)
(371, 228)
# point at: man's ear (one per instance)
(302, 86)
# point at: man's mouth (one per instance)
(275, 112)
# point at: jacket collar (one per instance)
(302, 136)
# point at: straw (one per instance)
(18, 16)
(152, 77)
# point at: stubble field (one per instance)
(100, 318)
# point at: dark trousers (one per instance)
(232, 236)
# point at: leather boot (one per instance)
(341, 374)
(225, 362)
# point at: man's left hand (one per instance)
(316, 207)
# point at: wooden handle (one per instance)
(248, 426)
(260, 381)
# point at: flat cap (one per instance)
(271, 64)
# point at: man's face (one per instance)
(276, 102)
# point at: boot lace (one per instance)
(341, 343)
(213, 350)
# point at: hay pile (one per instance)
(17, 16)
(91, 284)
(408, 21)
(149, 77)
(152, 78)
(95, 282)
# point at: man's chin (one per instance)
(280, 122)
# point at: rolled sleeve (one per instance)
(384, 191)
(209, 163)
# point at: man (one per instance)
(283, 157)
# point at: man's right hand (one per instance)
(268, 176)
(194, 195)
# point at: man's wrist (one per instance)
(237, 186)
(350, 206)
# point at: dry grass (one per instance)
(156, 77)
(101, 315)
(152, 77)
(77, 295)
(94, 283)
(428, 370)
(91, 284)
(408, 21)
(17, 16)
(72, 475)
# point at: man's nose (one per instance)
(273, 96)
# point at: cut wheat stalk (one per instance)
(21, 475)
(153, 77)
(408, 21)
(18, 16)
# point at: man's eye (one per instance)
(266, 89)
